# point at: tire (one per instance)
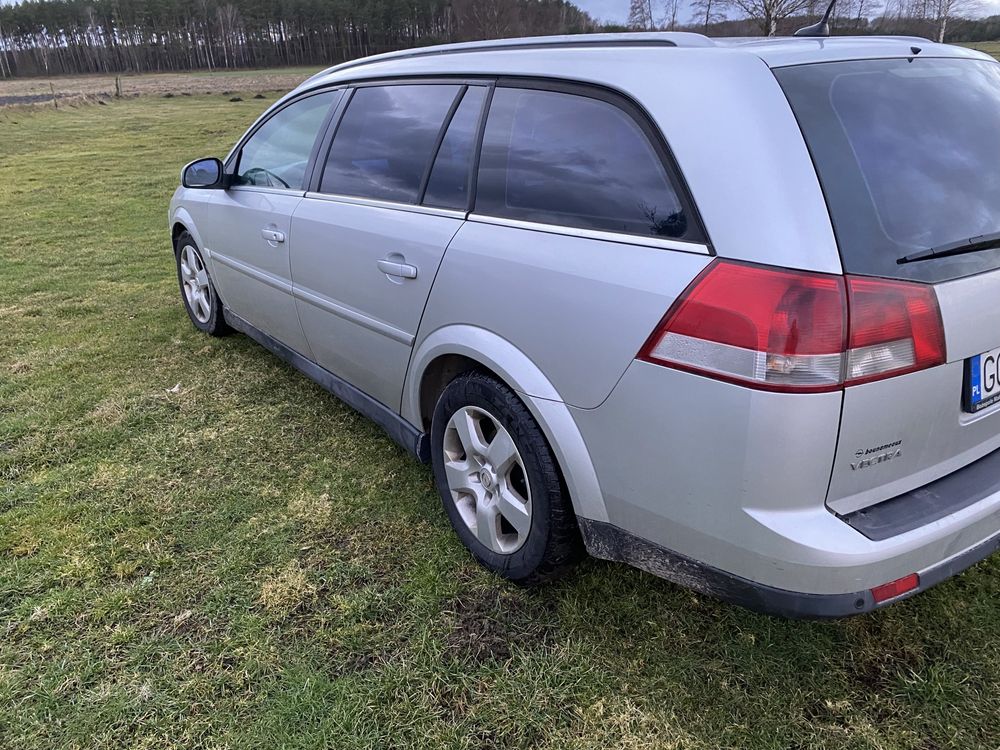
(198, 293)
(527, 542)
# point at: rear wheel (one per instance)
(499, 481)
(197, 290)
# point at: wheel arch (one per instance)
(182, 221)
(452, 350)
(176, 231)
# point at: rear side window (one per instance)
(908, 153)
(277, 154)
(385, 141)
(448, 186)
(576, 161)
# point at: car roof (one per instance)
(543, 51)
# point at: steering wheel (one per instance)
(249, 174)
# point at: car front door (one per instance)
(249, 235)
(369, 238)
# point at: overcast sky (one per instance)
(605, 10)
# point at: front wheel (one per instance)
(499, 482)
(197, 290)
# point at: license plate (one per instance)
(982, 380)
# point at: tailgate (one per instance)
(906, 151)
(901, 433)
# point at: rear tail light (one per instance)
(895, 328)
(797, 331)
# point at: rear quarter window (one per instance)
(572, 160)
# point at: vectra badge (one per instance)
(865, 457)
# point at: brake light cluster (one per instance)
(798, 331)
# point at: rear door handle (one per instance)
(403, 270)
(272, 235)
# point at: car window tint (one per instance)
(448, 186)
(278, 153)
(385, 141)
(907, 153)
(575, 161)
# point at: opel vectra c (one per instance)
(723, 310)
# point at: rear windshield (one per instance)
(908, 154)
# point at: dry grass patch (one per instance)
(311, 510)
(287, 590)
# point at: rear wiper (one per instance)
(971, 245)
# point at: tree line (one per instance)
(53, 37)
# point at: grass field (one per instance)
(990, 48)
(201, 549)
(73, 89)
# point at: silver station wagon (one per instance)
(725, 310)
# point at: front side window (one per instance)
(385, 141)
(575, 161)
(278, 153)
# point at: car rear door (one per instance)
(581, 236)
(249, 232)
(370, 235)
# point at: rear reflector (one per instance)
(891, 590)
(797, 331)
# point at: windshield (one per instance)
(908, 154)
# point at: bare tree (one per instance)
(670, 10)
(768, 13)
(862, 10)
(485, 19)
(640, 15)
(707, 12)
(4, 64)
(946, 9)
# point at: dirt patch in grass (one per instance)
(488, 625)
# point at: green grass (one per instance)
(990, 48)
(246, 563)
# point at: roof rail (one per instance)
(630, 39)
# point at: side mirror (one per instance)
(204, 173)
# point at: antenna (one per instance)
(819, 29)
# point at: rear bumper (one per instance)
(609, 542)
(736, 479)
(934, 501)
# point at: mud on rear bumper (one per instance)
(608, 542)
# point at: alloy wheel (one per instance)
(487, 480)
(194, 280)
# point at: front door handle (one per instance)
(393, 268)
(272, 235)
